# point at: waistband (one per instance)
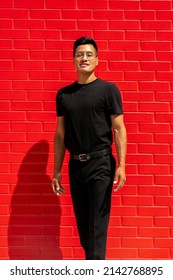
(89, 156)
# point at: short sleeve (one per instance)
(114, 101)
(59, 107)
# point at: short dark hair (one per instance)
(83, 41)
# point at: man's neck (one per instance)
(85, 79)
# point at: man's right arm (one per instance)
(59, 153)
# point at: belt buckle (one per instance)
(84, 157)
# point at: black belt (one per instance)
(85, 157)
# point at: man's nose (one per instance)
(84, 57)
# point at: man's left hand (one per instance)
(120, 178)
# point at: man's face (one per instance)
(85, 58)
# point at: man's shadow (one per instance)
(34, 225)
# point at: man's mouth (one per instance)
(84, 64)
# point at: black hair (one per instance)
(84, 41)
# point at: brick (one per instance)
(12, 116)
(140, 35)
(154, 253)
(4, 147)
(156, 25)
(23, 106)
(124, 45)
(141, 55)
(124, 66)
(166, 56)
(76, 14)
(4, 126)
(107, 14)
(15, 95)
(35, 85)
(142, 117)
(154, 169)
(60, 24)
(155, 66)
(17, 34)
(154, 128)
(115, 221)
(164, 86)
(152, 232)
(45, 14)
(137, 200)
(45, 34)
(165, 117)
(59, 64)
(54, 4)
(147, 96)
(124, 5)
(164, 76)
(140, 15)
(153, 148)
(6, 44)
(17, 54)
(13, 75)
(163, 242)
(130, 107)
(92, 24)
(14, 13)
(156, 5)
(113, 242)
(6, 4)
(153, 211)
(44, 75)
(137, 221)
(5, 106)
(122, 253)
(29, 24)
(123, 211)
(131, 127)
(108, 35)
(131, 86)
(4, 85)
(164, 200)
(164, 221)
(124, 25)
(4, 253)
(4, 168)
(46, 55)
(156, 190)
(40, 116)
(10, 136)
(39, 95)
(164, 96)
(156, 46)
(32, 5)
(163, 138)
(137, 242)
(6, 24)
(26, 65)
(164, 14)
(140, 137)
(156, 107)
(122, 231)
(102, 4)
(168, 158)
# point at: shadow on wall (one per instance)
(33, 231)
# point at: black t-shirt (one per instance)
(87, 109)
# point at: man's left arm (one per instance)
(121, 148)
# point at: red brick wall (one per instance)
(135, 43)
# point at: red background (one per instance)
(135, 52)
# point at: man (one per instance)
(88, 109)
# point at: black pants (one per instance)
(91, 187)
